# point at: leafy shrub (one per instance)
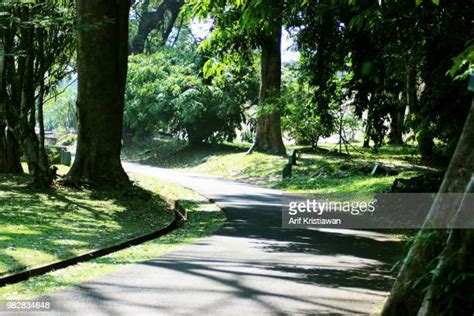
(301, 118)
(167, 92)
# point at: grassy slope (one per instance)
(321, 171)
(36, 228)
(171, 153)
(42, 227)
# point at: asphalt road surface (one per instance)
(250, 267)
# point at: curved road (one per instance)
(250, 267)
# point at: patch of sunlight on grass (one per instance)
(242, 165)
(322, 170)
(191, 200)
(204, 219)
(24, 256)
(174, 153)
(319, 171)
(17, 229)
(40, 227)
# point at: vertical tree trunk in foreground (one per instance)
(268, 134)
(38, 167)
(9, 152)
(406, 297)
(9, 148)
(102, 70)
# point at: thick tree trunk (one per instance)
(102, 70)
(268, 133)
(405, 298)
(9, 152)
(9, 148)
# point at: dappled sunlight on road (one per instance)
(250, 266)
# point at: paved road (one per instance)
(250, 267)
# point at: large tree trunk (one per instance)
(9, 152)
(405, 298)
(102, 70)
(9, 148)
(268, 133)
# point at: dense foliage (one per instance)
(166, 92)
(400, 54)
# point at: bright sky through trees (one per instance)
(201, 29)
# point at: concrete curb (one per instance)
(181, 216)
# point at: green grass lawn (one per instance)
(41, 227)
(168, 152)
(320, 171)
